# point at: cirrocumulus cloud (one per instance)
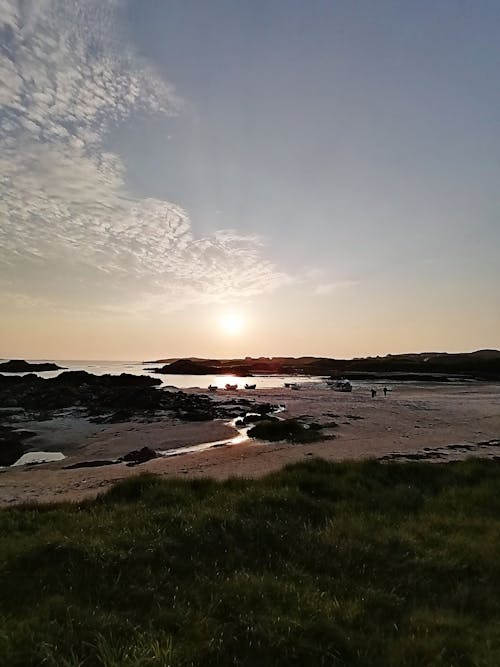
(71, 235)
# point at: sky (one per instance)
(224, 178)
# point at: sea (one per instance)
(178, 381)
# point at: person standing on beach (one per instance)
(385, 391)
(374, 393)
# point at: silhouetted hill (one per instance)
(486, 354)
(480, 365)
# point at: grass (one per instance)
(320, 564)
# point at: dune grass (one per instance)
(319, 564)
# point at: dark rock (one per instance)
(129, 380)
(186, 367)
(90, 464)
(79, 378)
(11, 445)
(75, 378)
(107, 397)
(12, 380)
(21, 366)
(10, 403)
(117, 417)
(10, 452)
(253, 418)
(315, 426)
(286, 429)
(140, 455)
(195, 415)
(264, 408)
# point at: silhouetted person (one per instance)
(385, 391)
(374, 393)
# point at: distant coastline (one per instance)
(481, 365)
(425, 367)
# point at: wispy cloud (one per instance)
(328, 288)
(70, 233)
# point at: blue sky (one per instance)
(169, 161)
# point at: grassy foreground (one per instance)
(319, 564)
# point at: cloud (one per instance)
(70, 233)
(328, 288)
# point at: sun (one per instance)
(232, 323)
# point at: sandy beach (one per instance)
(435, 422)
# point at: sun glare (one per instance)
(232, 323)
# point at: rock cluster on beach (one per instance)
(113, 397)
(291, 430)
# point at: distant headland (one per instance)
(437, 366)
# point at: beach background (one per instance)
(435, 422)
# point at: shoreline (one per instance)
(429, 422)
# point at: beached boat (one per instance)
(294, 385)
(212, 387)
(250, 386)
(231, 387)
(341, 385)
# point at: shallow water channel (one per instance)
(240, 437)
(38, 457)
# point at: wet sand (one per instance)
(412, 419)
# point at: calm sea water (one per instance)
(202, 381)
(180, 381)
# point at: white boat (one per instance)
(342, 385)
(339, 384)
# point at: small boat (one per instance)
(250, 386)
(231, 387)
(342, 385)
(294, 385)
(212, 387)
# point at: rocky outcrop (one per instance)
(186, 367)
(132, 458)
(91, 464)
(106, 398)
(21, 366)
(79, 378)
(11, 444)
(291, 430)
(253, 418)
(139, 456)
